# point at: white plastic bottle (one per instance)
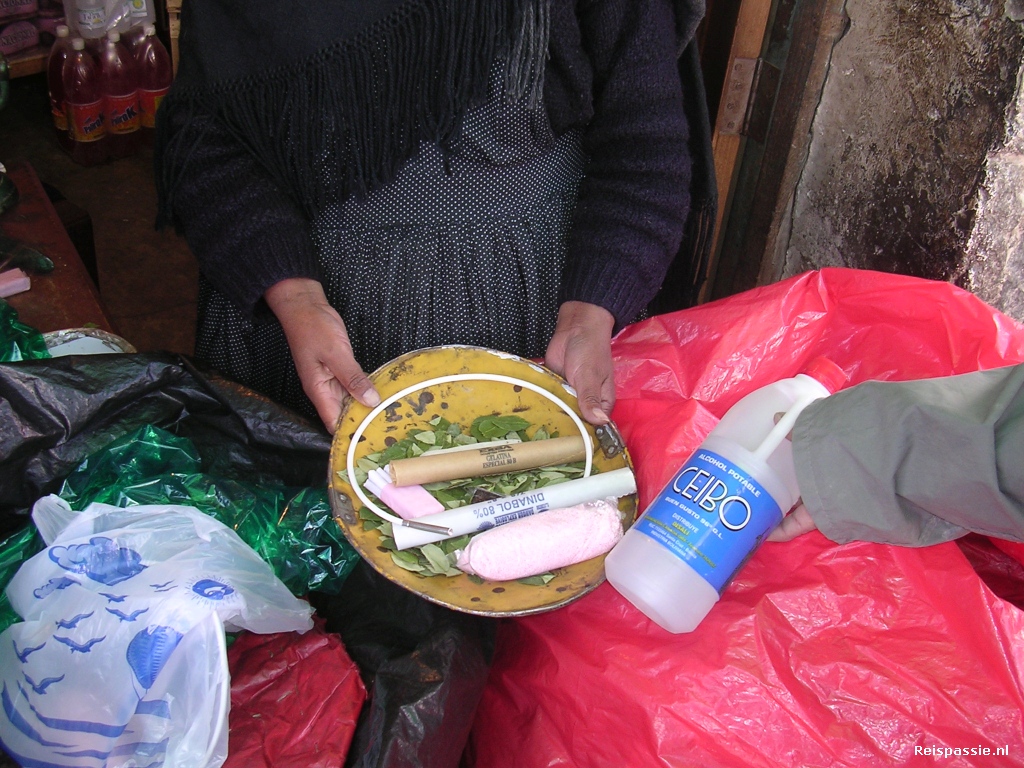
(676, 560)
(90, 19)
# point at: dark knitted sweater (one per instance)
(611, 72)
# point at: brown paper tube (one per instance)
(486, 460)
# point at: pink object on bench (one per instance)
(543, 542)
(13, 281)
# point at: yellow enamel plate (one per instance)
(460, 403)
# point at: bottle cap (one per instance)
(113, 35)
(78, 44)
(823, 370)
(63, 30)
(149, 29)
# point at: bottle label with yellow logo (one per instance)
(123, 114)
(149, 101)
(85, 121)
(60, 117)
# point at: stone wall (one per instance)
(916, 158)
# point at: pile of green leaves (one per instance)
(439, 559)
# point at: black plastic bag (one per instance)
(291, 529)
(424, 665)
(55, 413)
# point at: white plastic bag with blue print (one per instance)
(120, 660)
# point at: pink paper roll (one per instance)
(543, 542)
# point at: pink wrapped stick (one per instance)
(408, 502)
(543, 542)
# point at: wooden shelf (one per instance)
(174, 28)
(30, 62)
(67, 297)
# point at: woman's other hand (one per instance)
(581, 351)
(320, 348)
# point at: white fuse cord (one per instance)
(454, 377)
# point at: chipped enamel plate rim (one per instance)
(85, 341)
(461, 402)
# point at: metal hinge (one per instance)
(748, 98)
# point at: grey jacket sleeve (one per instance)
(916, 463)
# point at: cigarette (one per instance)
(488, 514)
(486, 459)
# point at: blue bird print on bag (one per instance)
(23, 655)
(72, 622)
(127, 616)
(85, 647)
(42, 685)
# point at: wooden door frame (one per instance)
(748, 35)
(757, 177)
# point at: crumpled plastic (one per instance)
(293, 530)
(58, 412)
(19, 341)
(121, 657)
(295, 700)
(817, 654)
(15, 550)
(424, 666)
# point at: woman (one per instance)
(365, 178)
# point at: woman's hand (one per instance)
(320, 348)
(581, 351)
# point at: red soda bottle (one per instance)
(83, 99)
(59, 52)
(155, 74)
(133, 38)
(121, 97)
(140, 14)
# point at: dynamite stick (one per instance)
(485, 460)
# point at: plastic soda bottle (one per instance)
(714, 513)
(140, 15)
(133, 38)
(83, 99)
(121, 96)
(90, 17)
(141, 12)
(153, 63)
(59, 52)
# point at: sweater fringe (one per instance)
(344, 120)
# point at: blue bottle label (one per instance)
(713, 516)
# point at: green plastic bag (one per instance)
(15, 550)
(292, 529)
(17, 340)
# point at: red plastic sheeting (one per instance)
(295, 700)
(817, 654)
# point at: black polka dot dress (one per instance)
(459, 248)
